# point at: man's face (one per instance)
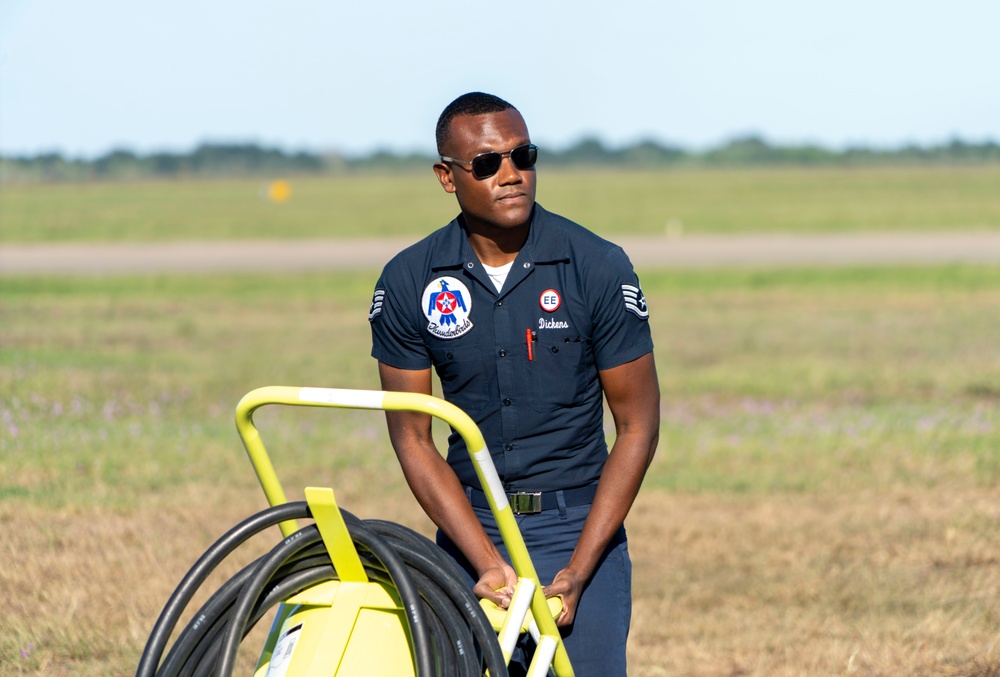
(503, 200)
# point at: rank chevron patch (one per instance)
(635, 302)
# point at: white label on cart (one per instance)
(493, 483)
(283, 650)
(342, 397)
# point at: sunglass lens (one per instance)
(486, 165)
(524, 157)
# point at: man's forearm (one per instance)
(618, 487)
(633, 396)
(442, 497)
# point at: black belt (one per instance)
(528, 502)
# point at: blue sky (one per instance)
(85, 77)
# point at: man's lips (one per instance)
(510, 197)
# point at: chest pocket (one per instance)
(558, 374)
(463, 379)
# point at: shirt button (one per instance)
(503, 353)
(555, 349)
(509, 447)
(499, 303)
(506, 401)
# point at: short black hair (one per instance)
(473, 103)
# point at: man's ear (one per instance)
(444, 176)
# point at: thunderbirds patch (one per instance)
(635, 302)
(447, 304)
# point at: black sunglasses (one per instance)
(486, 165)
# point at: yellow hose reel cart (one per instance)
(354, 597)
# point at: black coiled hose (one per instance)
(450, 633)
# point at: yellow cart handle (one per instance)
(397, 401)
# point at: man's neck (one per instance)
(496, 246)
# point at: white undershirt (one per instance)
(498, 275)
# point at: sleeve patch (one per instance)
(376, 307)
(635, 301)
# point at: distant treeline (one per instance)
(220, 160)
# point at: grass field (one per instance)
(634, 203)
(823, 502)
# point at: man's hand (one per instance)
(567, 586)
(497, 584)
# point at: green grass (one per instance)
(800, 380)
(116, 389)
(778, 200)
(934, 199)
(223, 209)
(120, 386)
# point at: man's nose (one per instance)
(508, 173)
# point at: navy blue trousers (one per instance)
(596, 640)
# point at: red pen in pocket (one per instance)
(530, 340)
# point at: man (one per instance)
(527, 319)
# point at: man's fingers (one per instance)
(555, 589)
(499, 597)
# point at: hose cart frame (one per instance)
(361, 616)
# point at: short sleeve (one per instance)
(619, 312)
(396, 337)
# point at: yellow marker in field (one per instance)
(279, 191)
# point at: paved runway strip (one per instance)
(645, 252)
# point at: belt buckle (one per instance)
(525, 502)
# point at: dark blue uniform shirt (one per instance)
(573, 295)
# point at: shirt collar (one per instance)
(546, 243)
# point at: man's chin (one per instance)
(514, 215)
